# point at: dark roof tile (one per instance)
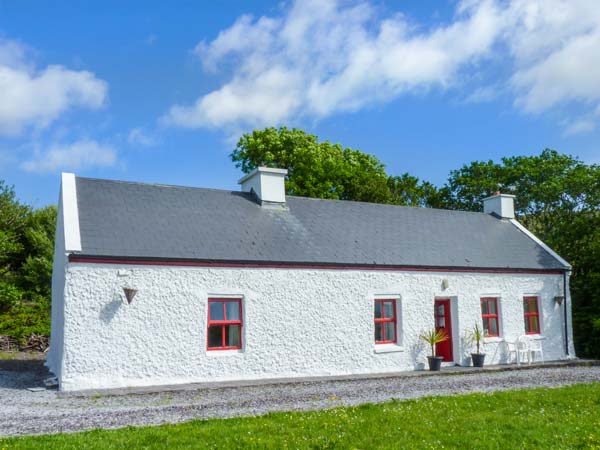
(123, 219)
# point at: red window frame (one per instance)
(223, 323)
(530, 315)
(384, 319)
(489, 317)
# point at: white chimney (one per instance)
(268, 184)
(502, 205)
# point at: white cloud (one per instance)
(139, 137)
(556, 46)
(483, 94)
(30, 97)
(583, 124)
(79, 155)
(580, 126)
(323, 57)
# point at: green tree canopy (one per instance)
(544, 183)
(26, 252)
(36, 270)
(408, 190)
(326, 170)
(13, 219)
(315, 169)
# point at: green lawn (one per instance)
(566, 417)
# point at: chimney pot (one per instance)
(268, 184)
(501, 205)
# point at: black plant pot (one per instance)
(435, 362)
(478, 359)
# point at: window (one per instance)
(489, 314)
(532, 315)
(224, 324)
(385, 321)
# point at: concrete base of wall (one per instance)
(450, 371)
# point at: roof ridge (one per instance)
(427, 208)
(141, 183)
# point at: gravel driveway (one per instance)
(26, 412)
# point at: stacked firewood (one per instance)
(8, 344)
(34, 343)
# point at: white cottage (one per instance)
(158, 284)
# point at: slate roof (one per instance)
(122, 219)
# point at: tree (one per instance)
(36, 271)
(545, 183)
(407, 190)
(315, 169)
(13, 217)
(326, 170)
(26, 252)
(558, 198)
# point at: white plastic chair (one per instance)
(511, 349)
(535, 347)
(522, 349)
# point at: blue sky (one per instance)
(159, 92)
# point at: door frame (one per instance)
(450, 324)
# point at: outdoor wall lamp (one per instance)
(559, 299)
(445, 284)
(129, 294)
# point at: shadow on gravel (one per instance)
(22, 374)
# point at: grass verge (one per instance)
(566, 417)
(8, 355)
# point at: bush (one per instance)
(26, 318)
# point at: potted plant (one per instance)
(478, 357)
(433, 337)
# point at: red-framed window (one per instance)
(224, 330)
(385, 321)
(532, 315)
(489, 315)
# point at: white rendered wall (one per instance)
(67, 240)
(297, 322)
(55, 353)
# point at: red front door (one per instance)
(443, 321)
